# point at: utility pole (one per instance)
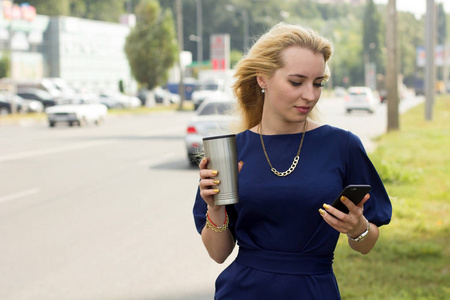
(179, 10)
(12, 87)
(246, 29)
(392, 69)
(199, 34)
(430, 68)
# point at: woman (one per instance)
(290, 165)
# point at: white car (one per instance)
(165, 97)
(30, 106)
(213, 117)
(360, 98)
(207, 89)
(80, 114)
(118, 100)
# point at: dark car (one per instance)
(5, 105)
(42, 96)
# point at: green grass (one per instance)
(412, 257)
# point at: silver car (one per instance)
(360, 98)
(213, 117)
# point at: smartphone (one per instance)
(354, 192)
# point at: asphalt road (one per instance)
(105, 212)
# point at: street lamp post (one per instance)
(245, 21)
(179, 10)
(246, 29)
(199, 33)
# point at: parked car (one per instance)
(38, 95)
(164, 96)
(213, 117)
(207, 89)
(22, 105)
(83, 113)
(29, 106)
(118, 100)
(361, 98)
(161, 96)
(5, 106)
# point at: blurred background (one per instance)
(103, 107)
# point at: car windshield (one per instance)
(216, 108)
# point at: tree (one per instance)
(441, 24)
(151, 46)
(48, 7)
(102, 10)
(4, 65)
(410, 35)
(441, 28)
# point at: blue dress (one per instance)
(285, 247)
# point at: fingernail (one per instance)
(216, 181)
(216, 191)
(321, 211)
(241, 162)
(214, 173)
(343, 199)
(326, 206)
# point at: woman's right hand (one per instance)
(209, 185)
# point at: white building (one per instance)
(87, 54)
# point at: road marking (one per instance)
(19, 195)
(28, 154)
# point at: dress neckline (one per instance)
(289, 134)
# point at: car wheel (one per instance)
(52, 124)
(70, 124)
(348, 111)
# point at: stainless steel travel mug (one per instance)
(221, 152)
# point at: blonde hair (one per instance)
(264, 58)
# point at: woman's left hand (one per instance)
(353, 224)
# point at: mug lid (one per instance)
(218, 137)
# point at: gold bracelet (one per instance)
(210, 224)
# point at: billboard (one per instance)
(439, 56)
(220, 51)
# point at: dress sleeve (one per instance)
(360, 170)
(200, 209)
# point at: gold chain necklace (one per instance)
(296, 158)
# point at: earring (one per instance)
(263, 90)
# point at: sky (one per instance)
(417, 7)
